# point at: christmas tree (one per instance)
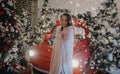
(104, 37)
(13, 32)
(9, 25)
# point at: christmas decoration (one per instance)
(17, 34)
(104, 36)
(8, 29)
(13, 28)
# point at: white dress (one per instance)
(61, 62)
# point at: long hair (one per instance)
(69, 20)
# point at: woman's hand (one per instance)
(58, 23)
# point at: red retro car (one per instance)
(40, 56)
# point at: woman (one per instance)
(61, 62)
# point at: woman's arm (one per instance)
(57, 23)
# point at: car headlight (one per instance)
(31, 53)
(75, 63)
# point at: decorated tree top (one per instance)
(9, 24)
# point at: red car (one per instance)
(41, 56)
